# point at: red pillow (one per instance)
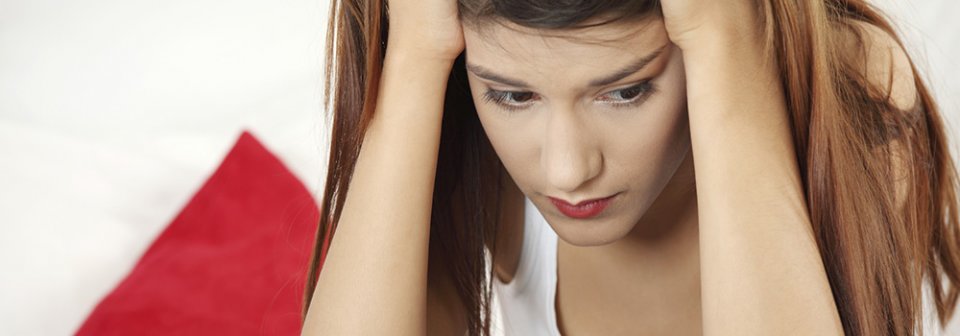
(232, 262)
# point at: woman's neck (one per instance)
(652, 275)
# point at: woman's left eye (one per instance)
(629, 96)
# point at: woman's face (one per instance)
(583, 114)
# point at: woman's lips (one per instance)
(582, 210)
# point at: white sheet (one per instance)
(113, 112)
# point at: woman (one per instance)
(743, 167)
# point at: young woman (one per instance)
(673, 167)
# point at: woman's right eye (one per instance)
(511, 100)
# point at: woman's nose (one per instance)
(569, 157)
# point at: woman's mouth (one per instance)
(582, 210)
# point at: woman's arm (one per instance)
(761, 271)
(374, 278)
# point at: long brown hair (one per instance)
(880, 183)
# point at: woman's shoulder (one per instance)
(886, 65)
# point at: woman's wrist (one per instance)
(713, 26)
(418, 58)
(405, 62)
(726, 66)
(722, 39)
(412, 78)
(429, 52)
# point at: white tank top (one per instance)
(526, 304)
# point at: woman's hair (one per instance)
(857, 152)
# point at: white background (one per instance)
(112, 113)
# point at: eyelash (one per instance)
(500, 98)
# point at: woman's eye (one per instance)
(516, 100)
(630, 95)
(510, 99)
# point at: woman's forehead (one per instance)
(556, 54)
(506, 40)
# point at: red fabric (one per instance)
(231, 263)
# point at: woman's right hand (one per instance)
(429, 28)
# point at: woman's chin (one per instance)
(609, 226)
(587, 233)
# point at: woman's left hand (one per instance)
(692, 23)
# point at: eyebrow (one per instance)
(628, 70)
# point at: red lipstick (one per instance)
(582, 210)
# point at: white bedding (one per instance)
(113, 112)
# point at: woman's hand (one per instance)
(430, 28)
(692, 24)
